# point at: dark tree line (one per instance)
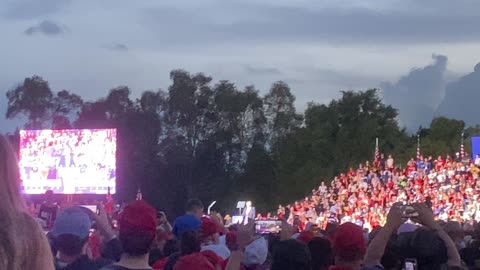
(218, 142)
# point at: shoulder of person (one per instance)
(103, 262)
(376, 267)
(112, 267)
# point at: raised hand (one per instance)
(425, 215)
(395, 216)
(245, 234)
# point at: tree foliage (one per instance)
(214, 141)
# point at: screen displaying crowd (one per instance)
(68, 161)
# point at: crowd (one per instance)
(451, 186)
(408, 237)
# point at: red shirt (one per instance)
(390, 184)
(439, 164)
(94, 243)
(411, 169)
(419, 182)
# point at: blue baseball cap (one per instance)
(74, 221)
(186, 223)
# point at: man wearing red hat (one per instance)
(210, 238)
(349, 247)
(137, 234)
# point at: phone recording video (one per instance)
(268, 226)
(409, 212)
(410, 264)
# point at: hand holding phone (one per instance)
(410, 264)
(410, 212)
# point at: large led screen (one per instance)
(73, 161)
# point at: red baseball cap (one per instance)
(138, 217)
(209, 227)
(306, 236)
(349, 242)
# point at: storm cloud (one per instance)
(31, 9)
(119, 47)
(318, 47)
(262, 70)
(408, 22)
(462, 98)
(418, 93)
(46, 27)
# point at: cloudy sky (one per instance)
(411, 49)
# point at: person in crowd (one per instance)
(249, 211)
(390, 163)
(197, 261)
(455, 232)
(291, 255)
(71, 232)
(48, 209)
(171, 247)
(188, 244)
(255, 255)
(192, 257)
(23, 243)
(163, 235)
(210, 238)
(349, 247)
(322, 253)
(137, 235)
(191, 219)
(424, 244)
(471, 254)
(306, 236)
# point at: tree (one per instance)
(335, 137)
(240, 122)
(219, 142)
(189, 107)
(65, 106)
(189, 120)
(280, 113)
(33, 99)
(443, 136)
(42, 107)
(258, 182)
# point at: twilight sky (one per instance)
(413, 50)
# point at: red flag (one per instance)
(109, 203)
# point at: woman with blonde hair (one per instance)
(23, 244)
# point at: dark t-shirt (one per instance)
(116, 267)
(83, 263)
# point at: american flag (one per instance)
(376, 162)
(419, 154)
(462, 148)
